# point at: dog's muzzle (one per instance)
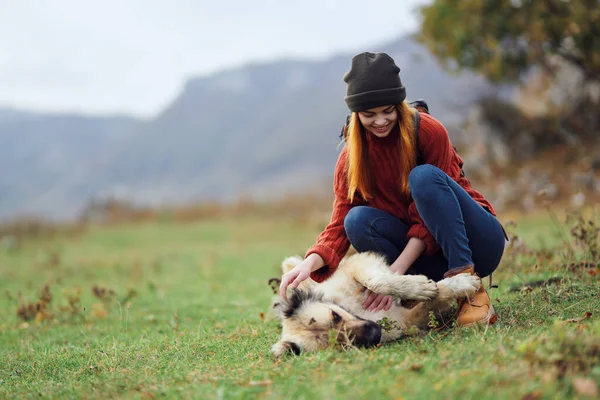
(368, 335)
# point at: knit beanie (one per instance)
(373, 81)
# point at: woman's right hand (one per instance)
(299, 273)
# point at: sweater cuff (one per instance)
(420, 231)
(332, 260)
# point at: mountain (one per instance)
(260, 131)
(39, 151)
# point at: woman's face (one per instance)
(379, 121)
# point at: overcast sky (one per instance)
(134, 56)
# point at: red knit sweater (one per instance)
(435, 148)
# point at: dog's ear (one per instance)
(284, 347)
(297, 298)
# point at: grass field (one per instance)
(180, 310)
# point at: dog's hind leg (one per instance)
(450, 290)
(461, 285)
(418, 316)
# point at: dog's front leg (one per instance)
(404, 287)
(371, 271)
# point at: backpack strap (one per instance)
(420, 106)
(417, 122)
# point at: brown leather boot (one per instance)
(476, 309)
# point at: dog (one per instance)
(319, 314)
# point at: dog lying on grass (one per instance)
(319, 314)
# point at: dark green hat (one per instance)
(373, 81)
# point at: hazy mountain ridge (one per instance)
(259, 131)
(38, 151)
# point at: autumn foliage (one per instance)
(505, 38)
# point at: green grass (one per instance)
(186, 315)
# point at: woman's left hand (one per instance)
(376, 302)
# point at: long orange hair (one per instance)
(359, 168)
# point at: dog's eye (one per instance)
(336, 318)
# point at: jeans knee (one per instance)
(422, 178)
(357, 223)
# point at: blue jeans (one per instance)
(467, 233)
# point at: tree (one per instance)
(505, 38)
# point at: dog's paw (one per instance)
(282, 348)
(462, 284)
(421, 288)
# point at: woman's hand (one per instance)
(376, 302)
(299, 273)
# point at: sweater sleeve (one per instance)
(332, 244)
(436, 149)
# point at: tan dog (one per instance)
(316, 313)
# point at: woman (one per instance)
(426, 218)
